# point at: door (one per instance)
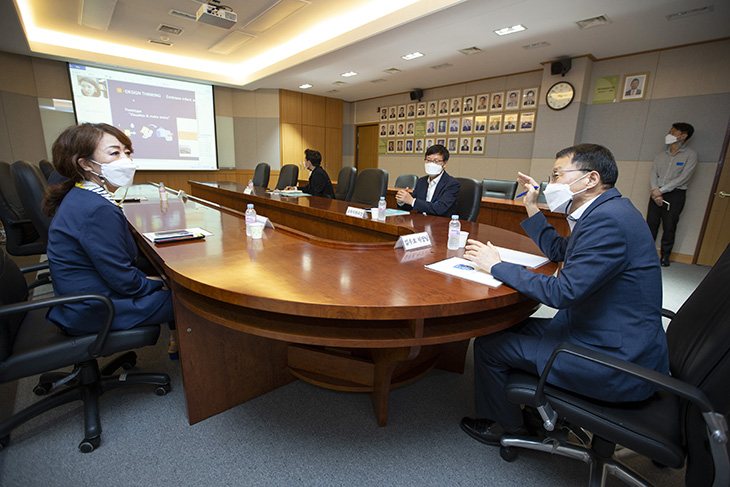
(716, 234)
(366, 147)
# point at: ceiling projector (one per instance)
(213, 15)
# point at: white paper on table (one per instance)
(458, 267)
(531, 261)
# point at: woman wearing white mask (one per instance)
(90, 247)
(437, 192)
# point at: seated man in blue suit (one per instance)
(608, 295)
(435, 194)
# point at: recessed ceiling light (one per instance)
(594, 22)
(412, 55)
(392, 70)
(305, 86)
(470, 50)
(689, 13)
(510, 30)
(348, 74)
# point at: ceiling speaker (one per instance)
(416, 95)
(560, 66)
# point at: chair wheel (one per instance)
(89, 444)
(162, 390)
(4, 442)
(507, 454)
(42, 388)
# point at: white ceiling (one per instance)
(437, 28)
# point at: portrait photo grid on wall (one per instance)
(478, 115)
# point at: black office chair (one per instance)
(46, 168)
(370, 185)
(685, 421)
(406, 181)
(20, 234)
(345, 183)
(287, 176)
(30, 185)
(497, 188)
(29, 345)
(470, 199)
(541, 196)
(261, 175)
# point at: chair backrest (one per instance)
(287, 176)
(21, 237)
(13, 290)
(31, 184)
(261, 175)
(470, 199)
(406, 181)
(541, 196)
(46, 168)
(497, 188)
(370, 185)
(699, 354)
(345, 183)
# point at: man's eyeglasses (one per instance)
(556, 174)
(435, 161)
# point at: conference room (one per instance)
(307, 361)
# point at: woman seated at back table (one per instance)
(90, 247)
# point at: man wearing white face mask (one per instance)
(608, 295)
(670, 175)
(435, 194)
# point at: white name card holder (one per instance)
(267, 223)
(413, 241)
(356, 212)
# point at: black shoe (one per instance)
(486, 430)
(665, 261)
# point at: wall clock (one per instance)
(560, 95)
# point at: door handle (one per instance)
(723, 195)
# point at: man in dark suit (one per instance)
(319, 181)
(633, 88)
(437, 192)
(608, 295)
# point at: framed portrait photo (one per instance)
(411, 111)
(401, 112)
(510, 122)
(432, 110)
(421, 109)
(529, 98)
(401, 129)
(634, 87)
(468, 105)
(431, 127)
(410, 128)
(418, 147)
(409, 146)
(465, 145)
(452, 144)
(495, 124)
(477, 146)
(441, 142)
(513, 100)
(455, 106)
(480, 124)
(497, 102)
(429, 143)
(391, 146)
(482, 102)
(454, 125)
(444, 107)
(384, 113)
(399, 146)
(391, 130)
(527, 121)
(467, 125)
(383, 130)
(391, 113)
(442, 126)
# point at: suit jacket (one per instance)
(91, 250)
(319, 184)
(628, 92)
(608, 293)
(445, 197)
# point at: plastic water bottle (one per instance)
(163, 192)
(382, 206)
(251, 218)
(454, 233)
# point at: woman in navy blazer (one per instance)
(90, 247)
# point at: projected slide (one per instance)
(170, 122)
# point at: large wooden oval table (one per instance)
(323, 297)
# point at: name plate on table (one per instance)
(413, 241)
(356, 212)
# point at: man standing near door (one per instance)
(670, 174)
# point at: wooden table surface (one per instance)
(254, 314)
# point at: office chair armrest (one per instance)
(666, 313)
(98, 344)
(33, 268)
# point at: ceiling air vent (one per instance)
(379, 80)
(183, 15)
(169, 29)
(392, 71)
(594, 22)
(159, 43)
(689, 13)
(470, 50)
(339, 83)
(536, 45)
(442, 66)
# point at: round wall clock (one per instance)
(560, 95)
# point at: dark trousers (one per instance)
(494, 356)
(667, 217)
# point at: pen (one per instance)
(524, 193)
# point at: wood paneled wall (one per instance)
(179, 179)
(311, 122)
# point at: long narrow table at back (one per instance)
(323, 297)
